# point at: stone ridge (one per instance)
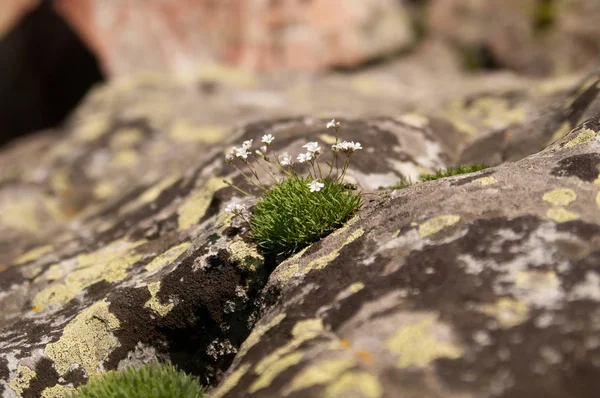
(116, 251)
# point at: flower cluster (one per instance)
(287, 164)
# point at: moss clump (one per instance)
(452, 172)
(290, 217)
(149, 381)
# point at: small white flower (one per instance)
(247, 144)
(312, 147)
(304, 157)
(263, 148)
(333, 124)
(356, 146)
(347, 146)
(267, 139)
(235, 208)
(242, 153)
(315, 185)
(285, 159)
(230, 155)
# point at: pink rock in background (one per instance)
(177, 35)
(11, 11)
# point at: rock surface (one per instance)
(256, 34)
(116, 251)
(538, 37)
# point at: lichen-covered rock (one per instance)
(483, 285)
(115, 249)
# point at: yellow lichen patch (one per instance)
(153, 192)
(104, 190)
(257, 333)
(126, 158)
(187, 131)
(287, 272)
(416, 346)
(598, 199)
(322, 262)
(560, 214)
(351, 383)
(86, 340)
(536, 280)
(33, 254)
(303, 331)
(562, 131)
(414, 119)
(109, 263)
(597, 180)
(167, 256)
(366, 85)
(328, 139)
(60, 181)
(395, 234)
(57, 391)
(154, 303)
(560, 196)
(436, 224)
(230, 382)
(508, 312)
(321, 373)
(230, 76)
(92, 129)
(276, 368)
(496, 112)
(126, 137)
(21, 382)
(20, 215)
(583, 137)
(485, 181)
(240, 251)
(463, 127)
(356, 287)
(192, 210)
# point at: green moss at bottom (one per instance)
(149, 381)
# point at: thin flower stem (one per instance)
(320, 173)
(345, 168)
(267, 171)
(234, 187)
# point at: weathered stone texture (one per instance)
(115, 248)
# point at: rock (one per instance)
(539, 37)
(478, 285)
(116, 249)
(255, 34)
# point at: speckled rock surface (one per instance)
(115, 249)
(484, 285)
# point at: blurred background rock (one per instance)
(53, 51)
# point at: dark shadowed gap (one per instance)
(45, 70)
